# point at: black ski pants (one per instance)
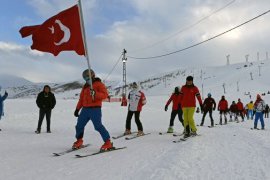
(42, 113)
(180, 116)
(137, 120)
(210, 114)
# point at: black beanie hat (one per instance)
(189, 78)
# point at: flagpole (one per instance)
(85, 42)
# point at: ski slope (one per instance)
(228, 152)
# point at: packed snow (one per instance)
(227, 152)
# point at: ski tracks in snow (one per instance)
(221, 153)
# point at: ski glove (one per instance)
(76, 113)
(92, 92)
(166, 108)
(6, 93)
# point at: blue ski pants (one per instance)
(93, 114)
(258, 115)
(250, 114)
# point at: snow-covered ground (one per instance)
(228, 152)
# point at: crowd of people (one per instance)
(183, 105)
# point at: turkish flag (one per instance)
(61, 32)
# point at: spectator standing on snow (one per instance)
(136, 101)
(223, 108)
(209, 105)
(2, 99)
(176, 109)
(45, 102)
(188, 94)
(259, 106)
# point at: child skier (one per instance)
(176, 109)
(2, 99)
(209, 105)
(136, 101)
(91, 102)
(223, 108)
(188, 93)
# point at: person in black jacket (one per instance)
(46, 102)
(209, 105)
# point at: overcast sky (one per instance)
(144, 27)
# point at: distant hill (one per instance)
(242, 79)
(13, 81)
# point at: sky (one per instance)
(144, 28)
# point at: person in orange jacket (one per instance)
(176, 109)
(90, 104)
(188, 94)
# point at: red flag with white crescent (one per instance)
(61, 32)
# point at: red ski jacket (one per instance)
(223, 105)
(188, 94)
(175, 98)
(86, 99)
(240, 106)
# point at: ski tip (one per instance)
(78, 156)
(56, 154)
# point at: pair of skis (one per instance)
(86, 155)
(185, 139)
(174, 134)
(128, 137)
(98, 152)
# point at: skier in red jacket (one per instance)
(223, 108)
(188, 94)
(240, 109)
(176, 109)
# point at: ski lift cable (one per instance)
(113, 67)
(194, 45)
(184, 29)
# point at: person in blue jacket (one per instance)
(2, 98)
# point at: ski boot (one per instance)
(140, 133)
(37, 131)
(78, 144)
(108, 145)
(193, 133)
(186, 135)
(127, 132)
(170, 129)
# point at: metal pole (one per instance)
(247, 57)
(228, 59)
(124, 59)
(85, 42)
